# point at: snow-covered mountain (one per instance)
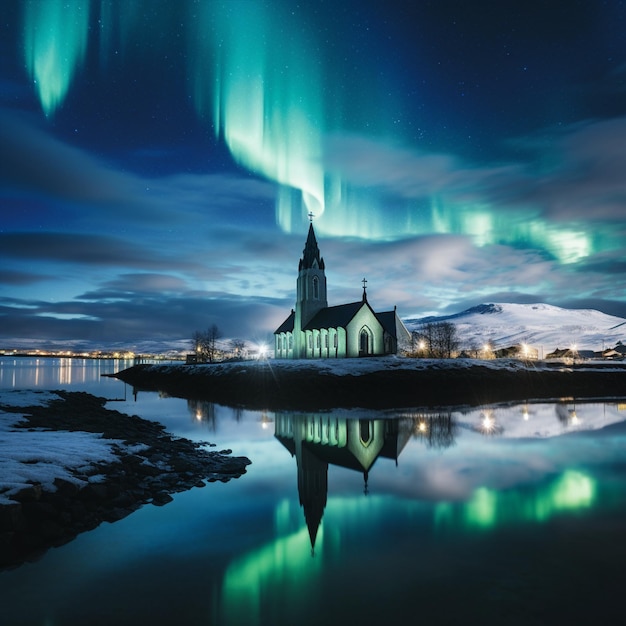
(543, 326)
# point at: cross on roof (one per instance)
(311, 216)
(364, 281)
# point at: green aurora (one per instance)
(258, 75)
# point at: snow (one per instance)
(30, 456)
(360, 367)
(539, 420)
(539, 325)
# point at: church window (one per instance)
(326, 341)
(310, 342)
(317, 342)
(291, 342)
(280, 343)
(316, 287)
(366, 432)
(335, 340)
(365, 341)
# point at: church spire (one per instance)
(311, 253)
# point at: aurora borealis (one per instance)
(159, 160)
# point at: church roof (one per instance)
(311, 253)
(334, 455)
(387, 320)
(287, 325)
(335, 316)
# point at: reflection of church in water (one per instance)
(319, 440)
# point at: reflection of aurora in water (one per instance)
(488, 508)
(276, 96)
(285, 567)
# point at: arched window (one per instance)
(366, 432)
(365, 341)
(291, 342)
(316, 287)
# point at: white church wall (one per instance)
(364, 318)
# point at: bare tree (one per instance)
(212, 335)
(237, 347)
(205, 343)
(437, 340)
(419, 344)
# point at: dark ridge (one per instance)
(481, 309)
(270, 386)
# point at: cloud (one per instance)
(590, 185)
(137, 284)
(135, 319)
(584, 182)
(86, 249)
(15, 278)
(46, 169)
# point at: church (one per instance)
(314, 330)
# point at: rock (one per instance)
(162, 466)
(65, 487)
(162, 498)
(28, 494)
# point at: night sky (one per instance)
(158, 160)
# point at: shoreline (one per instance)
(148, 464)
(376, 383)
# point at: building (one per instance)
(315, 330)
(319, 440)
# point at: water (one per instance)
(486, 515)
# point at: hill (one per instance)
(543, 326)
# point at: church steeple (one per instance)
(310, 292)
(311, 254)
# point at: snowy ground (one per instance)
(358, 367)
(30, 456)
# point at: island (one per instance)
(378, 382)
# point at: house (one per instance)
(567, 354)
(315, 330)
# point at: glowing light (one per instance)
(488, 508)
(55, 43)
(284, 564)
(488, 423)
(258, 74)
(264, 92)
